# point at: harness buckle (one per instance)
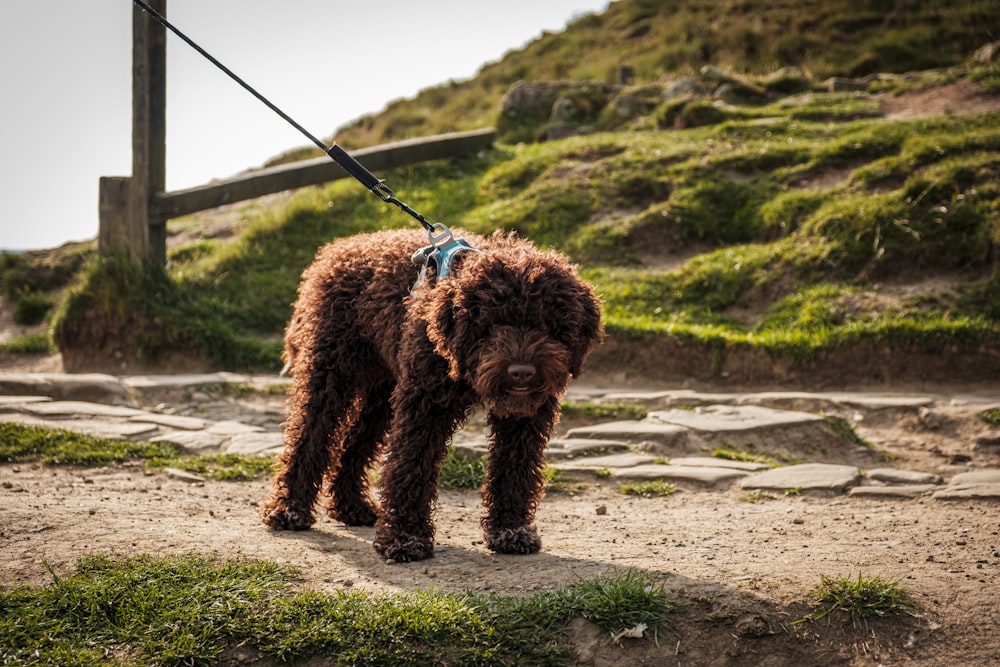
(441, 252)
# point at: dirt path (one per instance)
(747, 567)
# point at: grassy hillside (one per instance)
(758, 224)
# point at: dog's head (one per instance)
(515, 322)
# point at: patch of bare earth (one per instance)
(746, 568)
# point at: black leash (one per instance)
(439, 234)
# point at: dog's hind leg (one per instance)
(319, 405)
(515, 479)
(350, 499)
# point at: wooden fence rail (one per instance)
(134, 209)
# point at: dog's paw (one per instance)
(522, 540)
(279, 517)
(353, 515)
(404, 548)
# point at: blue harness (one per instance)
(440, 253)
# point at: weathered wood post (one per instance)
(126, 221)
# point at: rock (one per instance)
(893, 476)
(90, 387)
(624, 460)
(699, 475)
(806, 477)
(988, 442)
(664, 437)
(567, 448)
(892, 491)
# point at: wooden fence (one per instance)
(134, 209)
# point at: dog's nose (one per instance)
(521, 372)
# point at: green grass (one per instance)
(757, 496)
(648, 489)
(29, 344)
(858, 600)
(795, 223)
(34, 444)
(460, 472)
(990, 417)
(729, 452)
(603, 411)
(193, 609)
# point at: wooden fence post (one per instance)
(147, 235)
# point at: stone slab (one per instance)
(171, 421)
(712, 462)
(229, 428)
(99, 428)
(96, 387)
(976, 477)
(807, 477)
(672, 473)
(194, 442)
(720, 419)
(634, 432)
(12, 402)
(893, 476)
(892, 491)
(563, 448)
(623, 460)
(141, 382)
(984, 491)
(253, 443)
(78, 409)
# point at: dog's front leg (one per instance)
(515, 479)
(422, 426)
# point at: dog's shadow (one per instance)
(454, 568)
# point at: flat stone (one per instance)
(983, 491)
(987, 442)
(233, 428)
(881, 401)
(712, 462)
(624, 460)
(565, 448)
(892, 491)
(806, 477)
(893, 476)
(976, 477)
(171, 421)
(78, 409)
(141, 382)
(672, 473)
(194, 442)
(720, 419)
(12, 402)
(253, 443)
(97, 427)
(668, 435)
(96, 387)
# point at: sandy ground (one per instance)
(748, 567)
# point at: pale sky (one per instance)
(65, 70)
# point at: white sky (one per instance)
(65, 86)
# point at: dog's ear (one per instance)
(590, 331)
(573, 313)
(447, 328)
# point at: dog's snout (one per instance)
(521, 372)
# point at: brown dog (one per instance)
(377, 369)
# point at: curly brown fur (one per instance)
(378, 371)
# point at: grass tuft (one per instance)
(648, 489)
(858, 600)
